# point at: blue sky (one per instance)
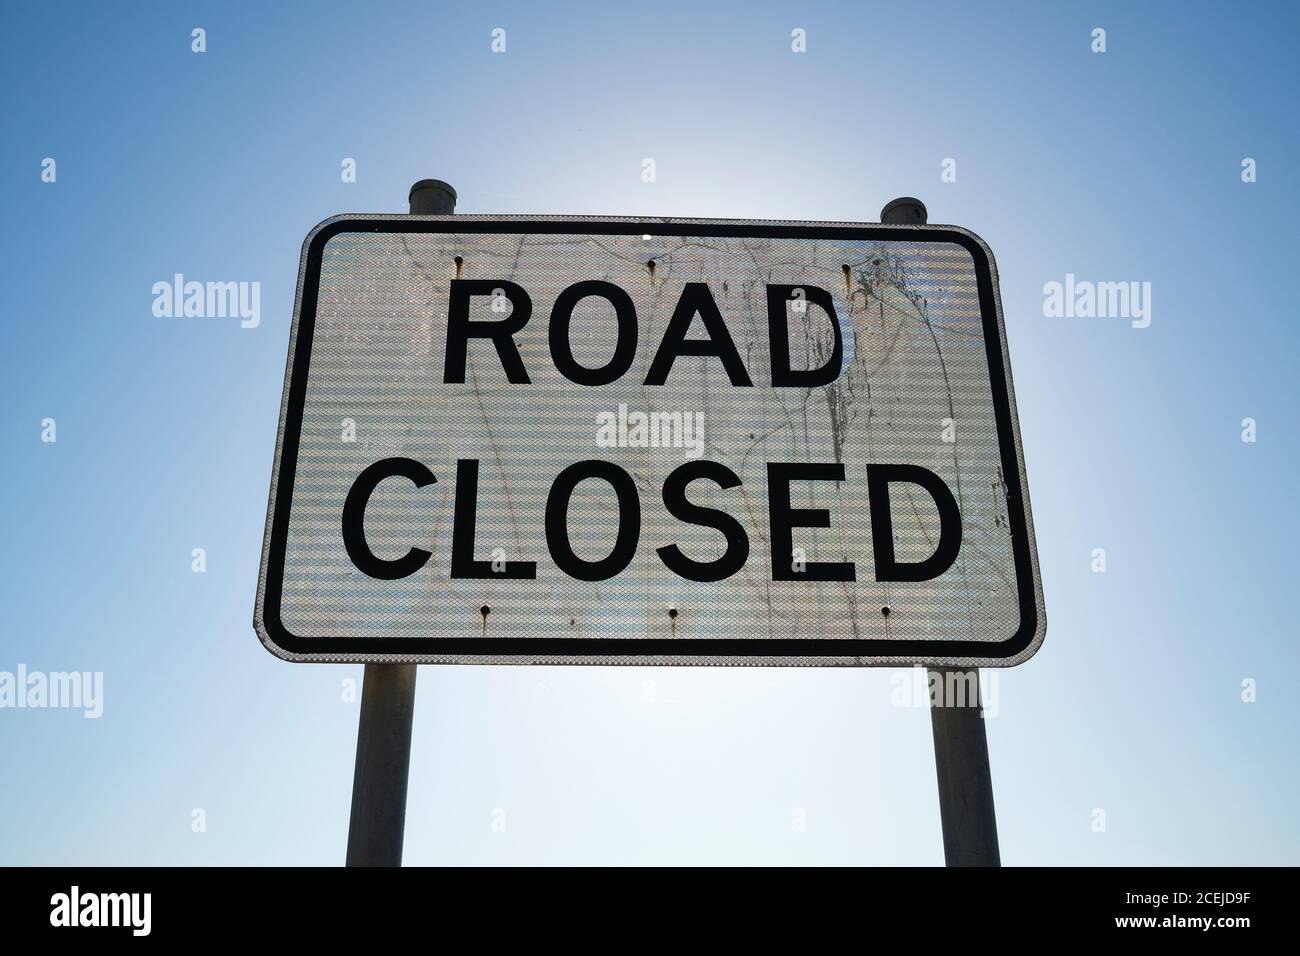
(1115, 166)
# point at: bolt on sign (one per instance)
(605, 440)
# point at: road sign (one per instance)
(527, 439)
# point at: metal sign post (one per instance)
(961, 764)
(615, 440)
(378, 818)
(961, 747)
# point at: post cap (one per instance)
(431, 197)
(904, 211)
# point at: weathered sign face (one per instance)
(595, 440)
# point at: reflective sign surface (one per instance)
(559, 440)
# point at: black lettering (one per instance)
(674, 492)
(778, 334)
(464, 526)
(888, 568)
(460, 329)
(354, 517)
(697, 299)
(557, 520)
(783, 519)
(624, 346)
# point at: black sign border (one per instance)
(360, 649)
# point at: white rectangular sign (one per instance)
(606, 440)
